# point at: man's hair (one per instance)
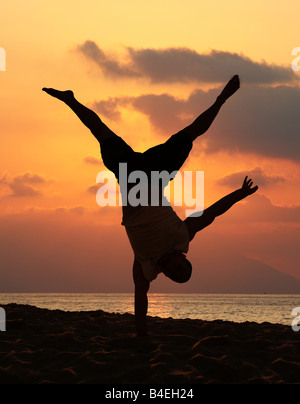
(178, 270)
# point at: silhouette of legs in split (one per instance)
(168, 156)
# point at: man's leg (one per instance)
(204, 121)
(113, 148)
(171, 155)
(88, 117)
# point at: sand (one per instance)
(44, 346)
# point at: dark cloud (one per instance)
(257, 174)
(91, 160)
(183, 65)
(109, 108)
(110, 66)
(263, 120)
(260, 120)
(23, 185)
(165, 112)
(93, 189)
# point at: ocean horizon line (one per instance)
(273, 308)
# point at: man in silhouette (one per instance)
(159, 238)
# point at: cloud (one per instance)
(165, 112)
(261, 120)
(112, 186)
(23, 185)
(184, 65)
(257, 174)
(109, 66)
(109, 108)
(77, 210)
(259, 208)
(91, 160)
(93, 189)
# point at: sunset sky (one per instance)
(148, 68)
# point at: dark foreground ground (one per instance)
(44, 346)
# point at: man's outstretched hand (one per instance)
(247, 187)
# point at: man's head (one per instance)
(175, 266)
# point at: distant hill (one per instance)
(237, 274)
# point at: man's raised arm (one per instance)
(140, 299)
(224, 204)
(195, 224)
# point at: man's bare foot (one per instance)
(61, 95)
(231, 87)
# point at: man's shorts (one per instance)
(168, 156)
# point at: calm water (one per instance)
(238, 308)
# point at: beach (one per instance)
(42, 346)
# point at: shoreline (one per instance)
(228, 307)
(96, 347)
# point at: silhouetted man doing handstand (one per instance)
(159, 238)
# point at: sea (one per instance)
(276, 309)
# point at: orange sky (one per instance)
(54, 236)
